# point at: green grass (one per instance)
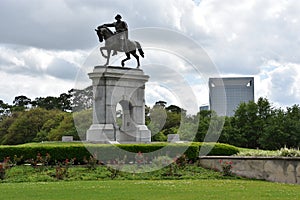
(149, 189)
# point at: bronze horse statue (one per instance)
(112, 42)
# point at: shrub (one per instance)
(283, 152)
(162, 161)
(61, 168)
(226, 167)
(57, 151)
(289, 152)
(219, 149)
(105, 152)
(3, 167)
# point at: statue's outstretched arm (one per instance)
(109, 25)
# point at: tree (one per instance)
(258, 125)
(36, 125)
(83, 120)
(188, 131)
(157, 116)
(174, 109)
(4, 110)
(26, 125)
(292, 126)
(274, 136)
(247, 124)
(173, 120)
(5, 124)
(204, 120)
(264, 108)
(161, 104)
(50, 124)
(229, 133)
(20, 103)
(65, 128)
(81, 99)
(62, 102)
(47, 103)
(215, 128)
(164, 120)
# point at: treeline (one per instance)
(259, 125)
(74, 100)
(254, 125)
(46, 118)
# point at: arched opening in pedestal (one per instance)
(125, 122)
(119, 115)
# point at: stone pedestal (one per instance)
(126, 86)
(173, 138)
(67, 139)
(101, 133)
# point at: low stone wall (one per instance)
(276, 169)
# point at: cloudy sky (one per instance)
(45, 44)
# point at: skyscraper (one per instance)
(225, 94)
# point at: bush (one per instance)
(220, 149)
(106, 152)
(57, 152)
(289, 152)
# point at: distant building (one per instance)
(206, 107)
(225, 94)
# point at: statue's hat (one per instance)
(118, 16)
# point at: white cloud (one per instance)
(32, 87)
(281, 83)
(30, 71)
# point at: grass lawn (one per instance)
(150, 189)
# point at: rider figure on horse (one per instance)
(121, 32)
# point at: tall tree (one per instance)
(274, 135)
(20, 103)
(65, 127)
(292, 126)
(4, 110)
(204, 120)
(246, 122)
(62, 102)
(81, 99)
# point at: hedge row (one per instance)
(107, 152)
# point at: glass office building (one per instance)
(225, 94)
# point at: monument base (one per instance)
(143, 134)
(105, 133)
(101, 133)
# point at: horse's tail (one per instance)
(139, 47)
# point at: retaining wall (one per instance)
(276, 169)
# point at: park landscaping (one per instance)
(34, 173)
(78, 161)
(59, 151)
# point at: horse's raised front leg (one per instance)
(101, 50)
(127, 58)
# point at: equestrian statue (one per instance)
(118, 41)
